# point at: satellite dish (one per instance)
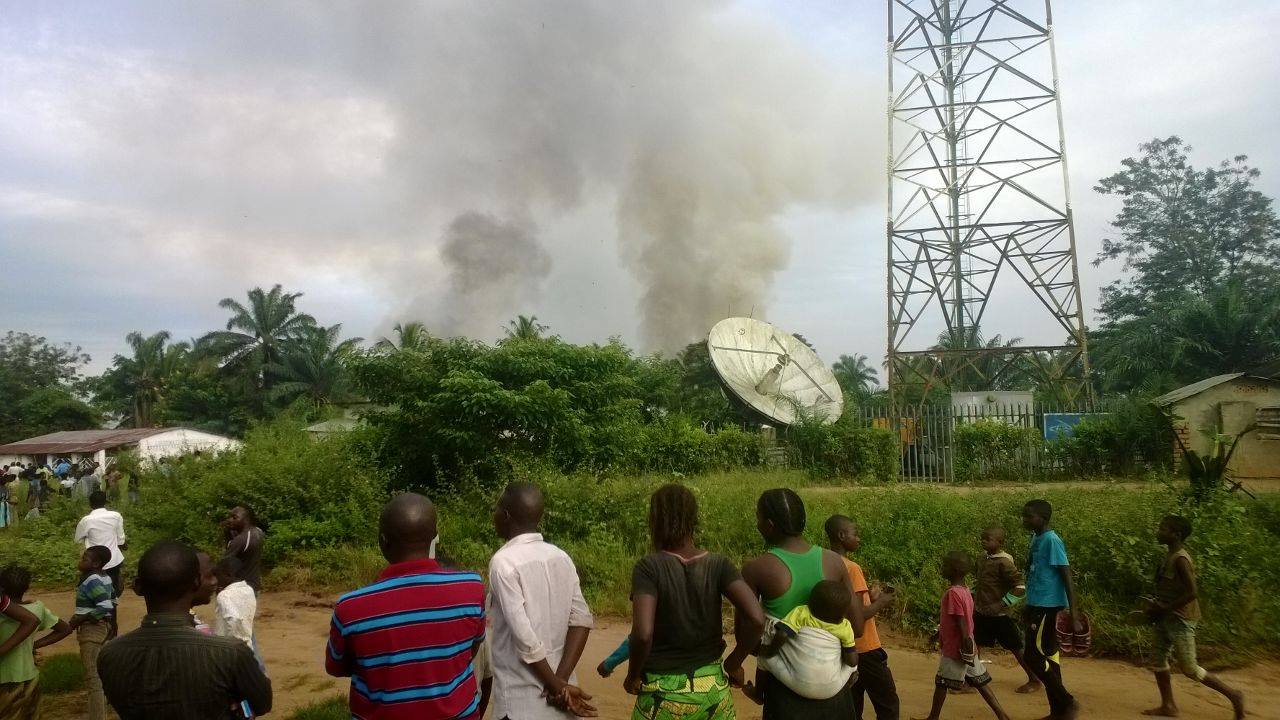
(773, 372)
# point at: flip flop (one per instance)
(1083, 642)
(1066, 639)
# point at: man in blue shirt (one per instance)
(1049, 592)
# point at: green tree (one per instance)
(856, 375)
(409, 336)
(39, 383)
(136, 385)
(257, 334)
(314, 367)
(525, 328)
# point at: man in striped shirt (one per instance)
(407, 641)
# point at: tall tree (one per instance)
(409, 336)
(137, 384)
(1183, 229)
(314, 367)
(855, 374)
(39, 386)
(257, 333)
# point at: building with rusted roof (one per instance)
(149, 443)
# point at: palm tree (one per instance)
(855, 374)
(314, 367)
(257, 334)
(525, 328)
(137, 383)
(409, 336)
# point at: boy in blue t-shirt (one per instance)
(1049, 592)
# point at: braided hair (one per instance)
(784, 508)
(673, 516)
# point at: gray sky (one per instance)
(668, 158)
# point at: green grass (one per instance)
(335, 708)
(61, 673)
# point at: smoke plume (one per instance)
(494, 266)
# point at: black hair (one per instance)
(784, 508)
(100, 553)
(1041, 508)
(673, 515)
(167, 570)
(15, 580)
(829, 601)
(834, 523)
(249, 514)
(957, 561)
(97, 499)
(1180, 525)
(229, 566)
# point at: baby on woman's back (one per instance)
(826, 612)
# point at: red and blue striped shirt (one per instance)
(406, 642)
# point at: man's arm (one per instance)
(338, 661)
(122, 541)
(575, 638)
(1064, 571)
(27, 624)
(82, 532)
(252, 685)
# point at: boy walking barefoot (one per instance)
(875, 680)
(959, 665)
(1049, 592)
(1174, 615)
(998, 586)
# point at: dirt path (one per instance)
(293, 627)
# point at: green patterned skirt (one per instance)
(702, 695)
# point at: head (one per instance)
(93, 559)
(779, 515)
(208, 581)
(1036, 515)
(227, 572)
(407, 528)
(1174, 529)
(993, 539)
(15, 581)
(842, 534)
(97, 499)
(673, 516)
(829, 601)
(519, 510)
(169, 577)
(955, 566)
(241, 518)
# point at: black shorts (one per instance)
(993, 630)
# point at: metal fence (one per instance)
(926, 433)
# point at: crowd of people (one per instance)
(26, 488)
(430, 640)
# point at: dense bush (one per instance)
(1129, 439)
(993, 450)
(843, 449)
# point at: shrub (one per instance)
(61, 673)
(1130, 439)
(334, 708)
(843, 449)
(993, 450)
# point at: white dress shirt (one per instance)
(233, 612)
(534, 598)
(103, 527)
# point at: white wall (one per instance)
(181, 441)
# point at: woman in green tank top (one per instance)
(783, 578)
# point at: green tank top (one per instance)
(806, 571)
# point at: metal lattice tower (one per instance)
(979, 205)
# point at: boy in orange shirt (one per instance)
(875, 680)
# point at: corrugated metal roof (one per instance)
(1183, 393)
(79, 441)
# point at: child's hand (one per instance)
(603, 671)
(753, 693)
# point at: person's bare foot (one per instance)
(1162, 711)
(1237, 704)
(1030, 686)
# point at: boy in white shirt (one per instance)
(235, 606)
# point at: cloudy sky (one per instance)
(616, 168)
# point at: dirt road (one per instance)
(292, 629)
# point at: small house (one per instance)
(99, 445)
(1231, 405)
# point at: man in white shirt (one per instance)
(540, 620)
(106, 528)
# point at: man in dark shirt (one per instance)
(245, 544)
(166, 668)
